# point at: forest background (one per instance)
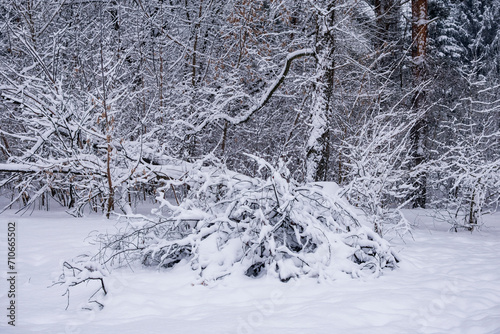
(396, 101)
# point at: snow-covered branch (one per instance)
(260, 103)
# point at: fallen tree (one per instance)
(230, 223)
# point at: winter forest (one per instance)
(260, 138)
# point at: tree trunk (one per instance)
(317, 149)
(388, 13)
(419, 131)
(419, 37)
(388, 34)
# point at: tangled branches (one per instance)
(230, 223)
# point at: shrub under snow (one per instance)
(228, 223)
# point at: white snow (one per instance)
(446, 283)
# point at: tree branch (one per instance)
(261, 102)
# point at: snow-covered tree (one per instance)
(467, 170)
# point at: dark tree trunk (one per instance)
(388, 13)
(419, 131)
(318, 148)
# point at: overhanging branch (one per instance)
(263, 99)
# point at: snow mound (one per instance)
(227, 223)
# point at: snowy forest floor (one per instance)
(446, 283)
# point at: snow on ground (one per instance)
(446, 283)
